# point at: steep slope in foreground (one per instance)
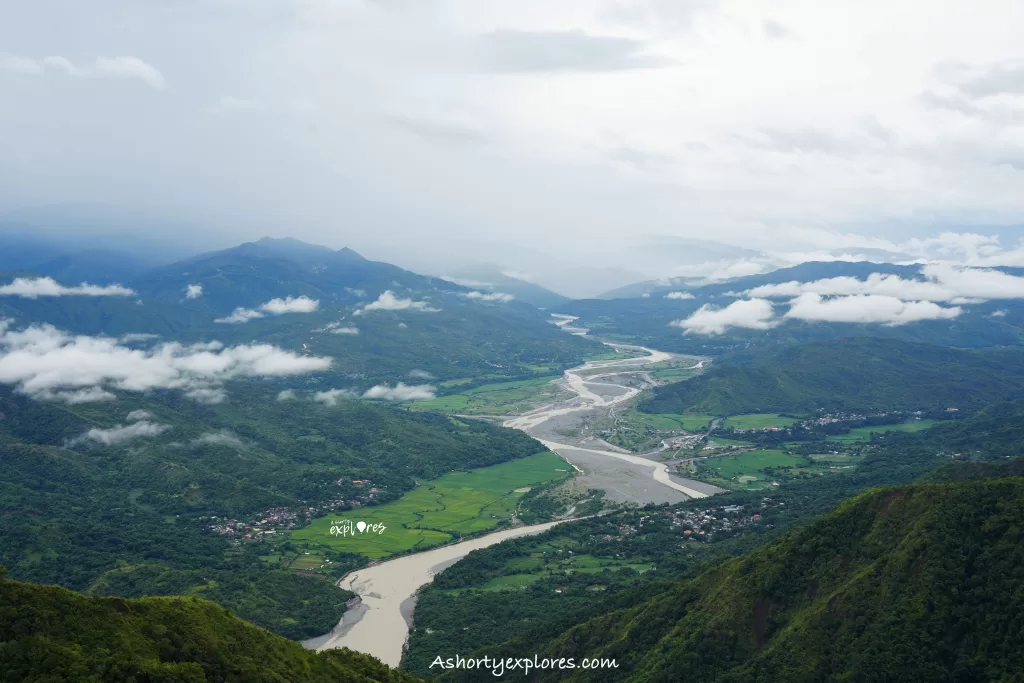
(911, 583)
(49, 633)
(849, 374)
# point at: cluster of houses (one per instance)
(698, 525)
(278, 519)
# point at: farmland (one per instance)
(499, 398)
(758, 421)
(457, 504)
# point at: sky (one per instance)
(601, 134)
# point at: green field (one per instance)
(864, 433)
(540, 565)
(758, 421)
(456, 504)
(499, 398)
(744, 471)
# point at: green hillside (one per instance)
(849, 374)
(915, 583)
(49, 633)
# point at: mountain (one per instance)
(854, 374)
(423, 324)
(913, 583)
(491, 278)
(48, 633)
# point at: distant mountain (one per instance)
(914, 583)
(50, 633)
(426, 324)
(849, 374)
(491, 278)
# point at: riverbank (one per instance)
(379, 624)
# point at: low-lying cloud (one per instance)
(867, 308)
(137, 415)
(193, 291)
(46, 363)
(940, 283)
(493, 296)
(338, 327)
(33, 288)
(755, 314)
(332, 396)
(421, 374)
(389, 302)
(401, 392)
(301, 304)
(219, 438)
(122, 434)
(679, 295)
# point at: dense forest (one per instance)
(128, 518)
(914, 583)
(48, 633)
(854, 374)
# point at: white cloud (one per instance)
(1001, 313)
(193, 291)
(942, 282)
(219, 438)
(866, 308)
(401, 392)
(421, 374)
(389, 302)
(210, 396)
(466, 283)
(287, 395)
(679, 295)
(33, 288)
(137, 415)
(301, 304)
(494, 296)
(121, 434)
(47, 363)
(19, 64)
(332, 396)
(136, 337)
(753, 314)
(519, 275)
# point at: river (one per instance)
(379, 624)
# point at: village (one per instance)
(696, 525)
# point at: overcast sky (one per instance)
(601, 129)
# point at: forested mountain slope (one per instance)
(911, 583)
(849, 374)
(49, 633)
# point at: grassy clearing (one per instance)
(688, 422)
(746, 470)
(498, 398)
(758, 421)
(864, 433)
(456, 504)
(542, 564)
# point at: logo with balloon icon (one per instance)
(345, 527)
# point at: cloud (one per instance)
(33, 288)
(519, 275)
(219, 438)
(941, 282)
(421, 374)
(46, 363)
(210, 396)
(137, 415)
(1001, 313)
(401, 392)
(125, 67)
(774, 30)
(753, 314)
(389, 302)
(679, 295)
(866, 308)
(121, 434)
(332, 396)
(301, 304)
(287, 395)
(494, 296)
(193, 291)
(526, 51)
